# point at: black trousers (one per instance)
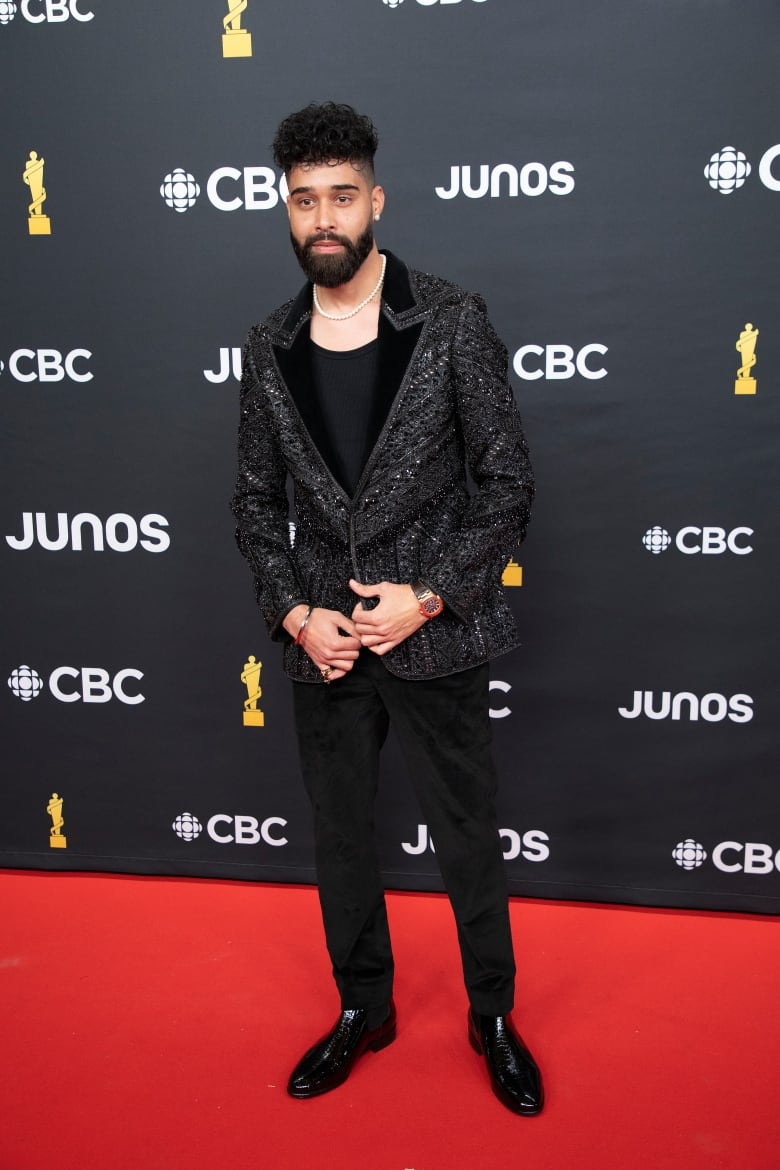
(444, 729)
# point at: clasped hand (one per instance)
(391, 621)
(333, 640)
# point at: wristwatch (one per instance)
(431, 604)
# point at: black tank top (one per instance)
(345, 383)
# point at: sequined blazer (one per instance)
(451, 415)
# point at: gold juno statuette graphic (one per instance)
(236, 41)
(38, 224)
(54, 809)
(746, 348)
(250, 677)
(512, 574)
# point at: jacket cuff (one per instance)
(428, 580)
(276, 630)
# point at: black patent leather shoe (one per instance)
(514, 1077)
(330, 1061)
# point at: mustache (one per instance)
(326, 238)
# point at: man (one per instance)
(376, 390)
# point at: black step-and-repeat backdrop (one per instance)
(608, 176)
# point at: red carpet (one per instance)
(150, 1024)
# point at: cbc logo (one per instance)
(710, 541)
(38, 11)
(231, 829)
(496, 684)
(227, 189)
(689, 854)
(49, 365)
(533, 845)
(752, 857)
(120, 532)
(729, 856)
(555, 362)
(505, 179)
(712, 707)
(71, 684)
(728, 169)
(179, 190)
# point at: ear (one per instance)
(377, 201)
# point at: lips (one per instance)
(325, 244)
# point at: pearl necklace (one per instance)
(362, 305)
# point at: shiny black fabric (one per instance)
(444, 370)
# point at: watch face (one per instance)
(432, 606)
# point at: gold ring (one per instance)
(326, 673)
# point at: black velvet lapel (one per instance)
(295, 367)
(396, 349)
(396, 344)
(397, 291)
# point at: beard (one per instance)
(332, 271)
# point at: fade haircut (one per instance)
(328, 133)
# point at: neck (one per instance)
(345, 296)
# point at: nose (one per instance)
(324, 220)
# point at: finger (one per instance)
(346, 646)
(345, 625)
(337, 657)
(336, 672)
(343, 663)
(364, 590)
(349, 648)
(372, 639)
(329, 623)
(365, 627)
(337, 641)
(368, 619)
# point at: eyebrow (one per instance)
(334, 187)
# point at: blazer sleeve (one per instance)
(495, 519)
(260, 503)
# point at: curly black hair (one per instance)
(331, 132)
